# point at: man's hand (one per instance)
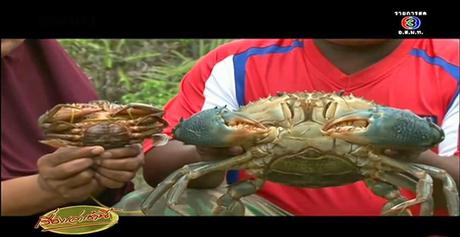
(209, 154)
(9, 44)
(67, 172)
(448, 163)
(118, 166)
(213, 179)
(163, 160)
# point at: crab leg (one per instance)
(168, 183)
(57, 126)
(177, 182)
(141, 128)
(144, 128)
(138, 109)
(389, 192)
(147, 120)
(56, 143)
(140, 132)
(65, 136)
(424, 186)
(160, 139)
(65, 112)
(449, 188)
(230, 204)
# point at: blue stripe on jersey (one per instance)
(240, 60)
(239, 63)
(453, 70)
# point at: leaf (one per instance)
(141, 56)
(180, 55)
(119, 45)
(107, 54)
(124, 79)
(138, 70)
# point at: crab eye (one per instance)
(224, 109)
(429, 121)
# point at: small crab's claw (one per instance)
(385, 127)
(219, 127)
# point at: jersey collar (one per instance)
(349, 82)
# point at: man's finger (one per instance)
(81, 193)
(390, 152)
(67, 170)
(116, 175)
(63, 186)
(218, 153)
(8, 45)
(128, 164)
(116, 153)
(65, 154)
(109, 183)
(236, 150)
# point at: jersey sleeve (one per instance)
(209, 83)
(450, 125)
(445, 56)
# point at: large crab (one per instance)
(314, 140)
(101, 123)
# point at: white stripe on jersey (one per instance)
(219, 89)
(450, 126)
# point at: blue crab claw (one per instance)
(385, 127)
(219, 127)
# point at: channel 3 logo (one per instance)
(411, 22)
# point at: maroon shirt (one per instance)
(36, 76)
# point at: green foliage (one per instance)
(153, 92)
(138, 70)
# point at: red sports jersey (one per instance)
(421, 75)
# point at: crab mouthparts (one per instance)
(355, 125)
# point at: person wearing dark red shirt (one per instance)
(420, 75)
(37, 75)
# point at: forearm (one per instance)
(23, 196)
(449, 164)
(162, 161)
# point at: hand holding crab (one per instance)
(113, 131)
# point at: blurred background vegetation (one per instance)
(138, 70)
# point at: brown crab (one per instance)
(101, 123)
